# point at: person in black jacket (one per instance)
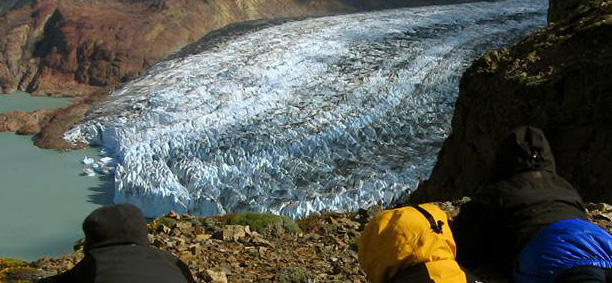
(117, 250)
(524, 195)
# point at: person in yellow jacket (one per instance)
(410, 244)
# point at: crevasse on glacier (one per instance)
(334, 113)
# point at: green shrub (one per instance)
(10, 262)
(16, 271)
(166, 221)
(293, 275)
(261, 222)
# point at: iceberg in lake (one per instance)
(334, 113)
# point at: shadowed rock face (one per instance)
(563, 10)
(558, 79)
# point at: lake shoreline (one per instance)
(49, 125)
(38, 183)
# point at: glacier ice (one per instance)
(326, 114)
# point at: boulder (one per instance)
(235, 232)
(22, 122)
(215, 276)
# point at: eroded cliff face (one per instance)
(558, 79)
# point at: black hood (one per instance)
(120, 224)
(524, 149)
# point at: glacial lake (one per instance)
(22, 101)
(43, 197)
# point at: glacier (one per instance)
(324, 114)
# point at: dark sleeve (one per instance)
(83, 272)
(476, 229)
(479, 232)
(66, 277)
(573, 196)
(468, 230)
(469, 277)
(52, 279)
(185, 270)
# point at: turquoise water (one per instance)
(43, 198)
(22, 101)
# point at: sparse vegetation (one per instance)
(165, 221)
(261, 222)
(14, 270)
(293, 275)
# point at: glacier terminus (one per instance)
(324, 114)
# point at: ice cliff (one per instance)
(334, 113)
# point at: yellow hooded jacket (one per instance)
(405, 241)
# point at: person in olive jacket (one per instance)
(117, 250)
(528, 221)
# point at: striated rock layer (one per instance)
(559, 79)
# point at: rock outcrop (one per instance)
(22, 122)
(564, 10)
(558, 79)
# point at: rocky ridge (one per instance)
(235, 248)
(558, 79)
(222, 249)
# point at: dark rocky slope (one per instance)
(558, 79)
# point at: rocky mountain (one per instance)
(558, 79)
(74, 47)
(84, 49)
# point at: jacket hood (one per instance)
(120, 224)
(524, 149)
(398, 239)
